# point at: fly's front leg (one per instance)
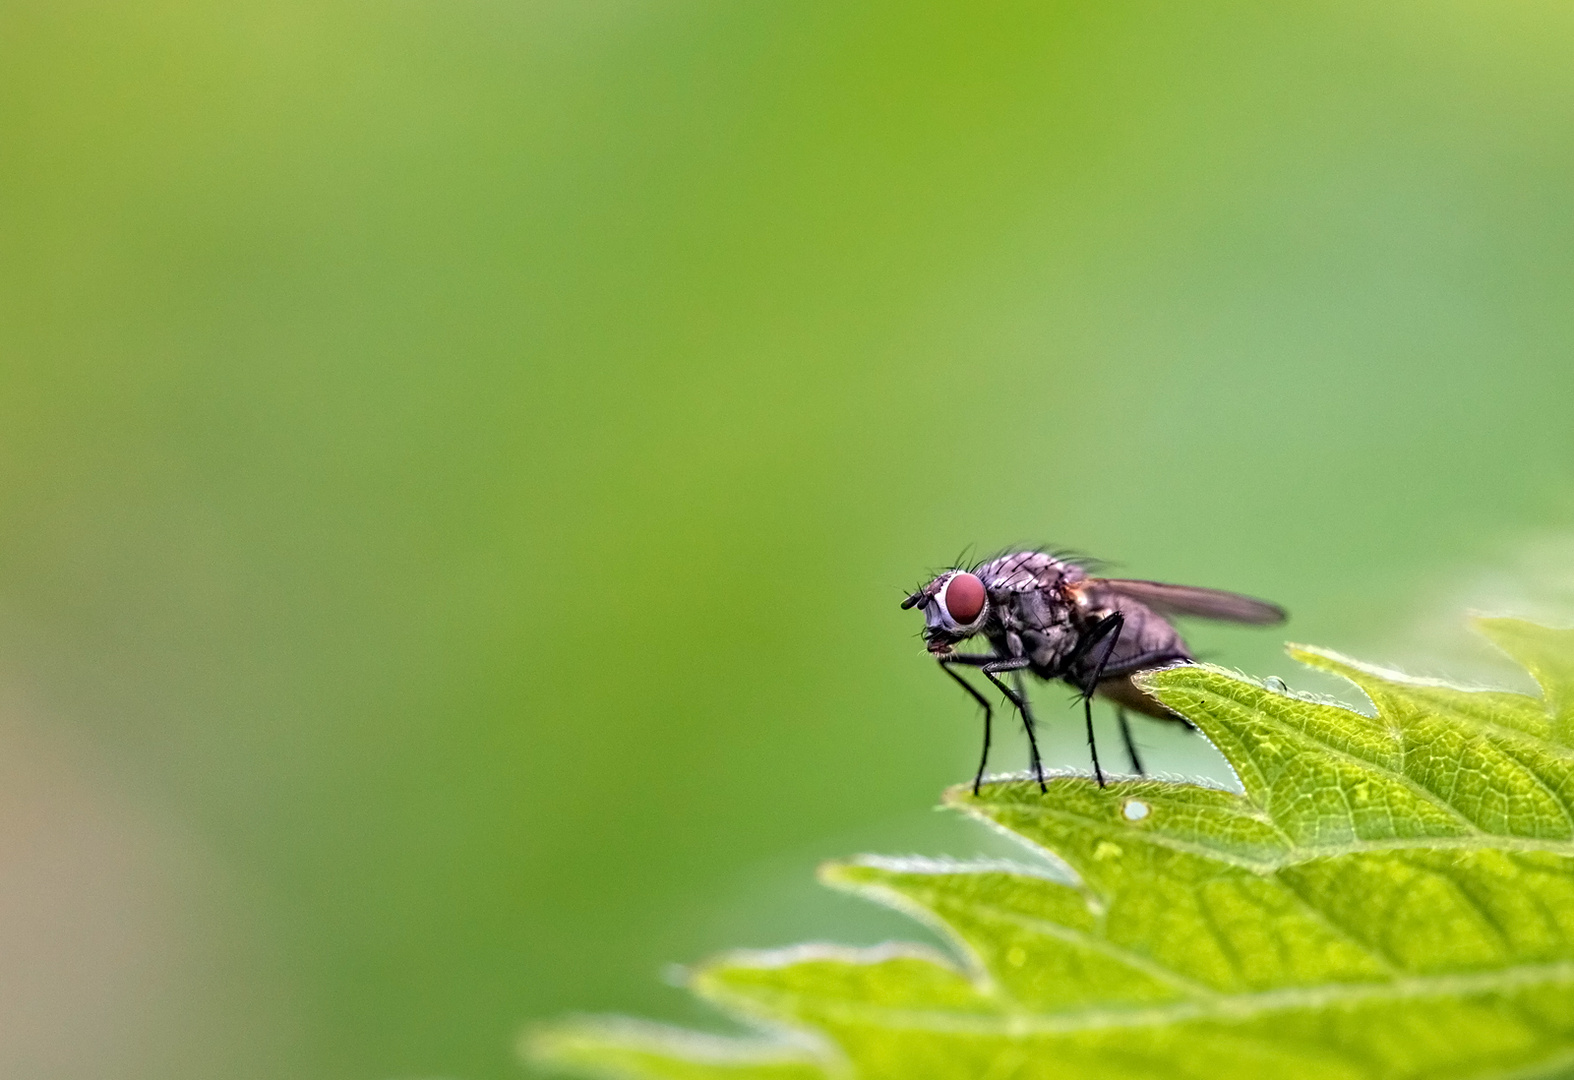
(983, 761)
(1019, 699)
(992, 666)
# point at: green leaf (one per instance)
(1389, 896)
(620, 1048)
(1549, 657)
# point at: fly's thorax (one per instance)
(1050, 647)
(1023, 571)
(1043, 623)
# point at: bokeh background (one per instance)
(459, 460)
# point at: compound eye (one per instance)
(963, 597)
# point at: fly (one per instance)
(1045, 615)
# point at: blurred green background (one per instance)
(459, 461)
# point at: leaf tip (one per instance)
(577, 1044)
(841, 874)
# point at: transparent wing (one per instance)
(1171, 600)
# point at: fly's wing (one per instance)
(1173, 600)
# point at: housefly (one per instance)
(1043, 614)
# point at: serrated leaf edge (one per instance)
(1209, 1006)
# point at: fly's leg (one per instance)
(1015, 664)
(1131, 747)
(1030, 722)
(992, 666)
(983, 761)
(1093, 746)
(1099, 642)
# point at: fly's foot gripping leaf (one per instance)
(1390, 896)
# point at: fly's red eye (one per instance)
(964, 597)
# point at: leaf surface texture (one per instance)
(1390, 896)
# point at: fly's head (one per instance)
(955, 605)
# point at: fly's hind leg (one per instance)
(1131, 746)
